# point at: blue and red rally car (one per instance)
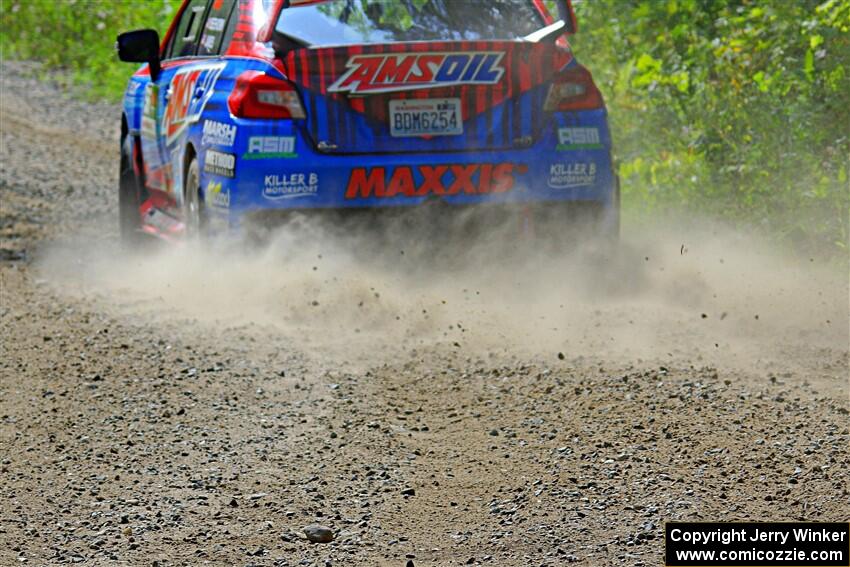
(345, 106)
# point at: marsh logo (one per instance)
(570, 175)
(291, 185)
(218, 133)
(578, 139)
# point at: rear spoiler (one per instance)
(265, 34)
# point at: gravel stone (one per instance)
(319, 534)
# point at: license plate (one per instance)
(426, 117)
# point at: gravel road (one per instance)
(189, 409)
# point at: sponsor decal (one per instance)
(215, 24)
(189, 91)
(220, 163)
(132, 88)
(208, 42)
(218, 133)
(265, 147)
(149, 111)
(290, 185)
(578, 138)
(215, 196)
(568, 175)
(424, 180)
(400, 72)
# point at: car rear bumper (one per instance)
(273, 166)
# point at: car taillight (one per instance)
(257, 95)
(573, 90)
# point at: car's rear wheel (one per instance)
(194, 215)
(129, 215)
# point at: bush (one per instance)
(734, 107)
(79, 35)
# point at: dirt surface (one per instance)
(200, 407)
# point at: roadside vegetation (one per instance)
(79, 36)
(731, 108)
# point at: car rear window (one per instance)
(347, 22)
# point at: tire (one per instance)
(194, 214)
(129, 215)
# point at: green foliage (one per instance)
(384, 14)
(79, 35)
(733, 107)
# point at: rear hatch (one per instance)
(400, 76)
(425, 96)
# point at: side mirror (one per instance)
(140, 46)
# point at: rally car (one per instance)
(342, 106)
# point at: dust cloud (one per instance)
(699, 292)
